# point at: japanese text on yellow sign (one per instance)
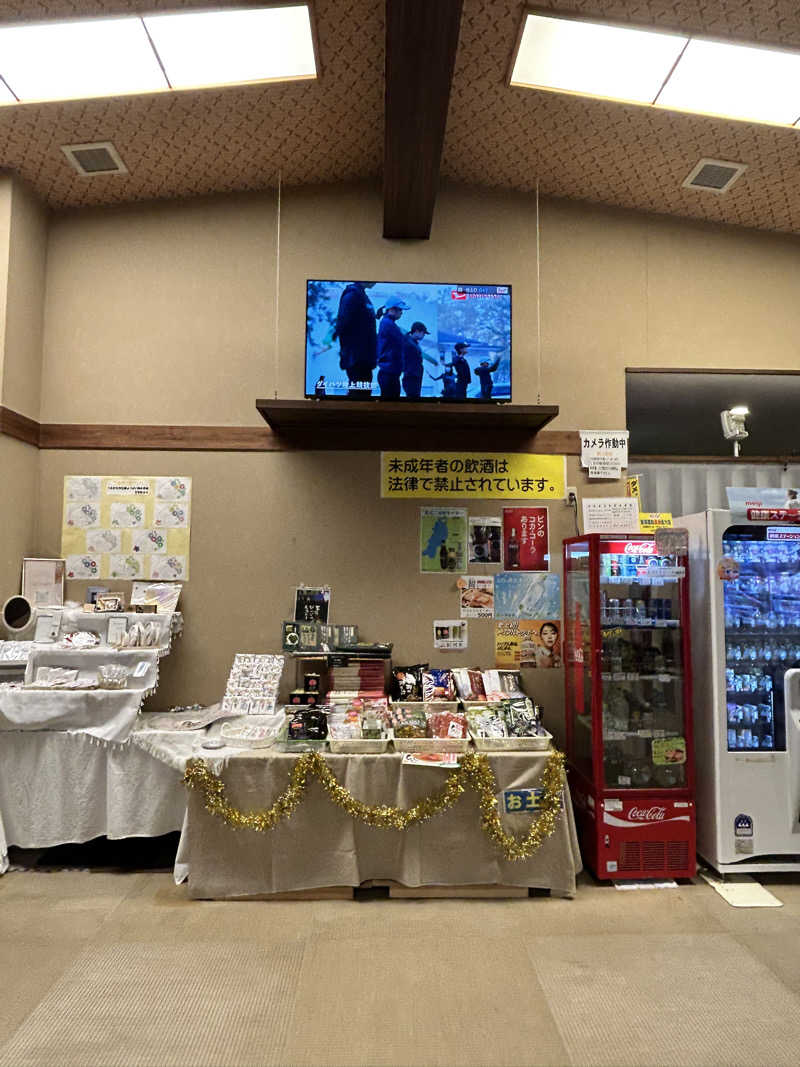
(650, 521)
(514, 475)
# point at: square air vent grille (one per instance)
(92, 160)
(714, 175)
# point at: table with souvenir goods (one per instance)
(450, 779)
(69, 703)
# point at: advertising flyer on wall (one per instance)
(528, 643)
(476, 596)
(525, 539)
(527, 596)
(442, 540)
(312, 603)
(450, 635)
(485, 539)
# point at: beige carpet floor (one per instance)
(123, 970)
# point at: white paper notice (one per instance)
(450, 635)
(604, 452)
(610, 514)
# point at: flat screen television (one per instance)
(408, 341)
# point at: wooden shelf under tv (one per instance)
(375, 425)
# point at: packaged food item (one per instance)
(487, 722)
(523, 719)
(446, 724)
(437, 684)
(469, 684)
(409, 722)
(406, 682)
(308, 724)
(371, 726)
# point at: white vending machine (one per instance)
(745, 620)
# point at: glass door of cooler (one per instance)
(646, 736)
(760, 572)
(578, 659)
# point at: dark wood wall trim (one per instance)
(159, 438)
(12, 424)
(232, 438)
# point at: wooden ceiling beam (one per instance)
(421, 43)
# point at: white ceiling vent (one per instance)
(714, 175)
(92, 160)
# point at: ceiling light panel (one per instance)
(594, 59)
(83, 58)
(230, 47)
(737, 81)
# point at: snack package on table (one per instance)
(446, 724)
(469, 684)
(409, 722)
(438, 684)
(406, 682)
(308, 725)
(523, 719)
(488, 721)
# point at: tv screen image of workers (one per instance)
(408, 341)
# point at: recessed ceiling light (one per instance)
(228, 47)
(594, 58)
(679, 72)
(760, 84)
(84, 58)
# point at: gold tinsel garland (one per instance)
(474, 773)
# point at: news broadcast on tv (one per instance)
(408, 341)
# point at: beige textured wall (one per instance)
(262, 524)
(165, 313)
(6, 185)
(19, 477)
(25, 301)
(160, 314)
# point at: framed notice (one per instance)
(43, 582)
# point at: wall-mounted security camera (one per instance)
(733, 426)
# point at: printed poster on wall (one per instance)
(126, 527)
(476, 596)
(442, 540)
(527, 596)
(485, 539)
(525, 539)
(482, 475)
(528, 643)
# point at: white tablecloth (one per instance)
(107, 714)
(58, 787)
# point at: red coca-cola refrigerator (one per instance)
(628, 706)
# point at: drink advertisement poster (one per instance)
(442, 540)
(527, 596)
(528, 643)
(486, 539)
(525, 539)
(476, 594)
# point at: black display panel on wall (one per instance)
(408, 341)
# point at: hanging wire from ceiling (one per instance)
(538, 305)
(277, 283)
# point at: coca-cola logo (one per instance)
(654, 814)
(640, 548)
